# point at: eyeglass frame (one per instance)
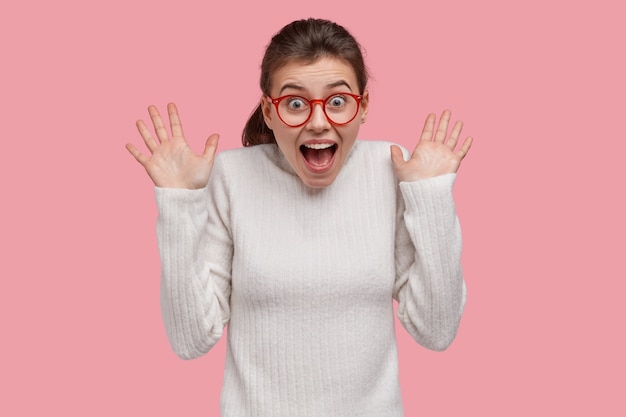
(357, 97)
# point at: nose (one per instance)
(318, 120)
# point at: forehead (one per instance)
(314, 76)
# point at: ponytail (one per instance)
(256, 131)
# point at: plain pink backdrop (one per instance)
(539, 84)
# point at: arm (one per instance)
(196, 256)
(194, 241)
(429, 282)
(429, 286)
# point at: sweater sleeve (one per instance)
(195, 247)
(429, 281)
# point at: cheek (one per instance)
(287, 139)
(351, 132)
(281, 133)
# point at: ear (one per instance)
(266, 108)
(365, 101)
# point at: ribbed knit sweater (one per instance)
(305, 279)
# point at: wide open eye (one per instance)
(336, 102)
(296, 103)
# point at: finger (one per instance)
(454, 135)
(157, 122)
(175, 124)
(465, 147)
(442, 129)
(429, 127)
(141, 158)
(211, 146)
(146, 135)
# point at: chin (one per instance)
(320, 182)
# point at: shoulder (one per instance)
(251, 167)
(373, 153)
(238, 155)
(375, 149)
(242, 160)
(370, 162)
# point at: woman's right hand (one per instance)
(172, 163)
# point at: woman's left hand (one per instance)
(434, 154)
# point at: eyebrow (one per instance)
(301, 88)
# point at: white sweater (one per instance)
(305, 278)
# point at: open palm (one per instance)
(172, 163)
(434, 154)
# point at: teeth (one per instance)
(318, 145)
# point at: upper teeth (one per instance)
(318, 145)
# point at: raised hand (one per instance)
(434, 154)
(172, 163)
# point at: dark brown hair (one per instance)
(302, 40)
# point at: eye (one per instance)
(336, 101)
(296, 103)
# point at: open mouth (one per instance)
(319, 156)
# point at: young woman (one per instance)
(300, 241)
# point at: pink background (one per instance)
(539, 84)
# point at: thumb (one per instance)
(397, 157)
(211, 146)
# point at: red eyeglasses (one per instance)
(339, 108)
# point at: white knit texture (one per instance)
(305, 279)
